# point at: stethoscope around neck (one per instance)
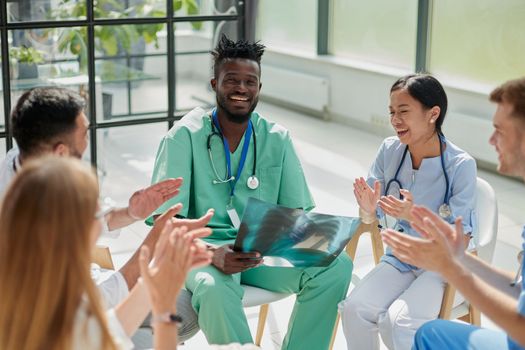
(444, 209)
(253, 181)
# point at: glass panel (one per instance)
(129, 8)
(2, 114)
(457, 26)
(126, 158)
(193, 81)
(379, 31)
(45, 10)
(43, 57)
(201, 36)
(194, 61)
(3, 151)
(131, 71)
(204, 7)
(290, 24)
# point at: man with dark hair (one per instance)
(259, 161)
(51, 120)
(498, 294)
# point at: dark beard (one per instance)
(235, 117)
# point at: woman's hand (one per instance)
(176, 253)
(366, 196)
(398, 208)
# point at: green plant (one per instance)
(109, 38)
(24, 54)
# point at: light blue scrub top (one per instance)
(183, 153)
(427, 185)
(521, 300)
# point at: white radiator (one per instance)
(300, 89)
(471, 134)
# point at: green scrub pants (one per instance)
(217, 299)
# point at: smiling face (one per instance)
(412, 122)
(237, 87)
(509, 141)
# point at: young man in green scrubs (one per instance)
(263, 164)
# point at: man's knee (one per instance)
(341, 268)
(427, 335)
(213, 288)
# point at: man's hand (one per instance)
(229, 261)
(441, 246)
(398, 208)
(143, 202)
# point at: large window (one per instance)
(288, 24)
(478, 40)
(135, 61)
(378, 31)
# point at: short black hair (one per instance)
(228, 49)
(43, 114)
(427, 90)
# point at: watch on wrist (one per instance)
(167, 317)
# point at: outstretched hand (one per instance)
(366, 196)
(143, 202)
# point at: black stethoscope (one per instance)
(444, 209)
(253, 181)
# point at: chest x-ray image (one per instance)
(303, 239)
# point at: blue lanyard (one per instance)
(244, 153)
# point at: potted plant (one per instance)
(24, 61)
(111, 39)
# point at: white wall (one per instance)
(359, 97)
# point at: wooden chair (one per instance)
(102, 257)
(351, 249)
(487, 213)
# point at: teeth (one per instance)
(237, 98)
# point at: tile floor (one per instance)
(332, 155)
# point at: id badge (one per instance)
(234, 217)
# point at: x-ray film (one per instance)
(302, 238)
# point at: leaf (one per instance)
(191, 7)
(110, 45)
(177, 5)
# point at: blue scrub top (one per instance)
(521, 300)
(427, 185)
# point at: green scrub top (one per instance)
(183, 153)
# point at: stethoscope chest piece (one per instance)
(253, 182)
(444, 211)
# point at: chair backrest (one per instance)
(487, 212)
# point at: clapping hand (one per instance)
(367, 197)
(398, 208)
(176, 252)
(438, 247)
